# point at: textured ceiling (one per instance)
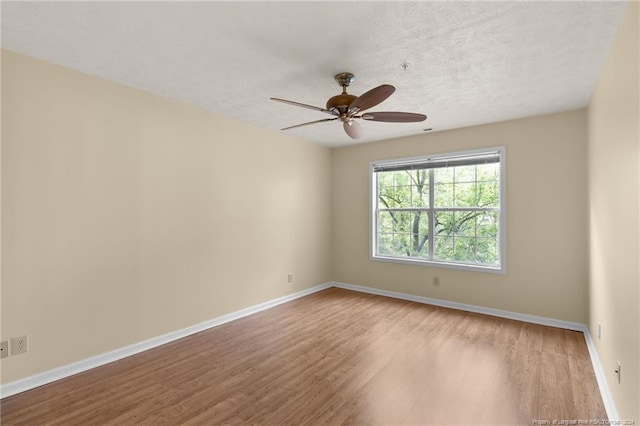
(469, 62)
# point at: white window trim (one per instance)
(373, 193)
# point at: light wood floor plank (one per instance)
(334, 357)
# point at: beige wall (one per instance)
(546, 218)
(614, 204)
(126, 216)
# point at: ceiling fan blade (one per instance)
(310, 122)
(371, 98)
(303, 105)
(352, 128)
(394, 117)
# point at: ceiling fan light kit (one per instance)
(346, 107)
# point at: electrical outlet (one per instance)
(18, 345)
(4, 349)
(290, 278)
(618, 371)
(436, 281)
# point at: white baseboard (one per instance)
(98, 360)
(612, 412)
(464, 307)
(607, 398)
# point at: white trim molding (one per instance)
(607, 399)
(95, 361)
(464, 307)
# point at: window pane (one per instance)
(401, 222)
(395, 243)
(443, 175)
(420, 234)
(444, 195)
(424, 224)
(443, 248)
(420, 188)
(465, 223)
(444, 223)
(402, 196)
(420, 196)
(385, 223)
(465, 174)
(465, 194)
(389, 226)
(385, 200)
(464, 249)
(487, 251)
(487, 224)
(386, 191)
(488, 194)
(401, 178)
(385, 244)
(488, 172)
(384, 179)
(409, 234)
(403, 189)
(400, 245)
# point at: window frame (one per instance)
(502, 214)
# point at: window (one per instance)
(443, 210)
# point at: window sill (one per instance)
(474, 268)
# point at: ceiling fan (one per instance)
(347, 108)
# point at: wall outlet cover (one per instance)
(18, 345)
(4, 349)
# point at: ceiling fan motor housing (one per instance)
(342, 101)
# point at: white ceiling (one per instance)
(469, 62)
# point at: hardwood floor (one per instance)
(335, 357)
